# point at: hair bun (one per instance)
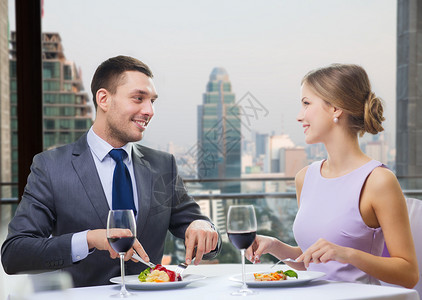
(373, 116)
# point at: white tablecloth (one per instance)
(218, 286)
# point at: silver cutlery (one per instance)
(138, 258)
(284, 260)
(179, 269)
(182, 267)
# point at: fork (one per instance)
(182, 267)
(284, 260)
(179, 269)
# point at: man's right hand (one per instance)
(98, 239)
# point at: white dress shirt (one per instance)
(105, 167)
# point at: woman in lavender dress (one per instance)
(349, 204)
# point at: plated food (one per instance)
(303, 277)
(158, 274)
(275, 276)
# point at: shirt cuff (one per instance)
(79, 246)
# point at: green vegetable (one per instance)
(143, 276)
(290, 273)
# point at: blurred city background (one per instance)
(228, 77)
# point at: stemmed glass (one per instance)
(121, 234)
(241, 229)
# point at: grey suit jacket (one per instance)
(64, 195)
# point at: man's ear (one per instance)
(102, 97)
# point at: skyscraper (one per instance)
(409, 94)
(219, 133)
(67, 114)
(5, 167)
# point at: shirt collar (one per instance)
(101, 148)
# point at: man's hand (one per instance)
(203, 237)
(98, 239)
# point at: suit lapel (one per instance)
(84, 166)
(143, 179)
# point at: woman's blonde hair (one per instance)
(348, 88)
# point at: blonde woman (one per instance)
(349, 204)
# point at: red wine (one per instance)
(242, 240)
(121, 244)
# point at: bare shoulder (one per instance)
(381, 179)
(383, 182)
(300, 176)
(299, 179)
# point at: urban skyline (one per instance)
(266, 49)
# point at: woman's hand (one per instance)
(261, 245)
(323, 251)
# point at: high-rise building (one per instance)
(214, 209)
(5, 155)
(377, 148)
(261, 143)
(66, 112)
(292, 160)
(409, 94)
(276, 144)
(219, 134)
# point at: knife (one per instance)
(138, 258)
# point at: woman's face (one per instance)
(316, 116)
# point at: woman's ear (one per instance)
(337, 112)
(102, 97)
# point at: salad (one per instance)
(158, 274)
(275, 276)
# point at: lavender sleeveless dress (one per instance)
(329, 209)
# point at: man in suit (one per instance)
(60, 222)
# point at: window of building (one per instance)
(68, 111)
(65, 138)
(12, 69)
(67, 72)
(50, 98)
(51, 70)
(67, 98)
(51, 85)
(13, 98)
(51, 111)
(81, 124)
(49, 139)
(49, 124)
(67, 86)
(65, 124)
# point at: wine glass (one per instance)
(121, 234)
(241, 229)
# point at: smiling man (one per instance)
(62, 216)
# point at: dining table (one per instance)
(218, 281)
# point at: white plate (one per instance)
(133, 282)
(303, 278)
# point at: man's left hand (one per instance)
(203, 237)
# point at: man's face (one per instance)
(130, 109)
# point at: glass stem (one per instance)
(242, 252)
(122, 271)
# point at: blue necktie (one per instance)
(122, 195)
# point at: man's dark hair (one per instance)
(110, 73)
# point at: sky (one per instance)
(265, 46)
